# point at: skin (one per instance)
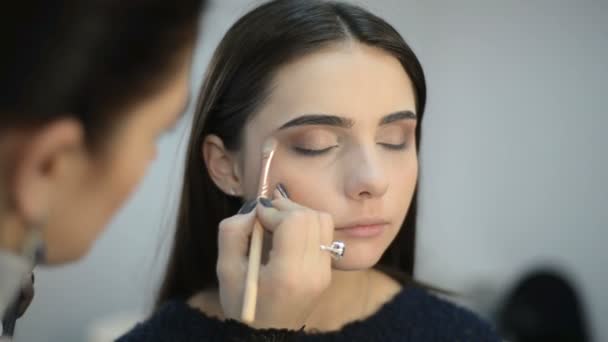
(368, 169)
(69, 191)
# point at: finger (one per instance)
(233, 242)
(247, 207)
(283, 203)
(269, 217)
(326, 231)
(282, 190)
(313, 240)
(326, 235)
(291, 237)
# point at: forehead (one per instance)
(348, 79)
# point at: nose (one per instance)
(365, 177)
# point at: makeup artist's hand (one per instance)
(297, 271)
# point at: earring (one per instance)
(233, 192)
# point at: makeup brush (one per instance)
(255, 248)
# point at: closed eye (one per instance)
(394, 147)
(312, 152)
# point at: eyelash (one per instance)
(312, 153)
(394, 147)
(309, 152)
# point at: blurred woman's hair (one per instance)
(88, 59)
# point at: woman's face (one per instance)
(345, 120)
(97, 184)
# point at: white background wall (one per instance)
(513, 163)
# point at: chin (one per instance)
(361, 254)
(356, 261)
(66, 253)
(61, 258)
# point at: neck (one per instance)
(352, 296)
(337, 305)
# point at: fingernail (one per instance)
(247, 207)
(265, 202)
(282, 190)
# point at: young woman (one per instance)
(344, 97)
(86, 89)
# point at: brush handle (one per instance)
(257, 238)
(253, 270)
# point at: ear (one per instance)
(43, 162)
(222, 165)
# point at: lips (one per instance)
(366, 227)
(363, 222)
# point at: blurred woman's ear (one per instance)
(222, 165)
(41, 164)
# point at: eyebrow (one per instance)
(342, 122)
(398, 116)
(319, 120)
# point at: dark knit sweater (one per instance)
(412, 315)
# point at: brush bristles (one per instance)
(269, 146)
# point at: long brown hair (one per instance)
(236, 85)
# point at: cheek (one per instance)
(128, 170)
(120, 173)
(308, 185)
(403, 177)
(403, 173)
(86, 205)
(299, 184)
